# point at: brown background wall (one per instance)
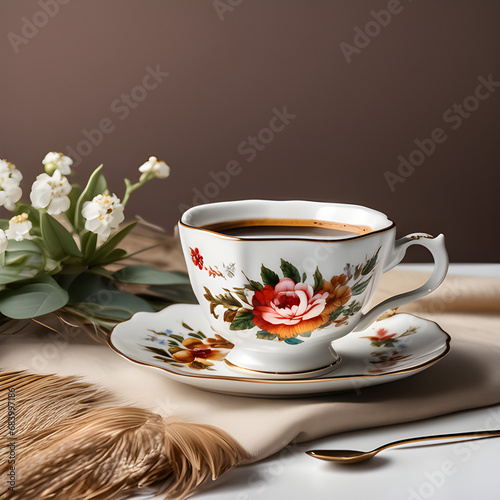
(225, 76)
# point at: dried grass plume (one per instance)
(78, 444)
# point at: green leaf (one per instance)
(73, 196)
(23, 246)
(370, 264)
(11, 274)
(256, 285)
(175, 293)
(112, 306)
(87, 194)
(353, 308)
(269, 277)
(187, 327)
(158, 351)
(196, 336)
(305, 334)
(150, 276)
(265, 335)
(88, 242)
(106, 248)
(318, 280)
(57, 238)
(33, 299)
(359, 288)
(290, 271)
(113, 256)
(242, 321)
(179, 338)
(335, 314)
(293, 341)
(304, 277)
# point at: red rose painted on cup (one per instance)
(289, 308)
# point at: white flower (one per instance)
(57, 161)
(51, 193)
(3, 241)
(8, 171)
(19, 228)
(158, 168)
(103, 215)
(10, 194)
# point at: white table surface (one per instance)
(456, 471)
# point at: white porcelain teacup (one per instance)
(283, 279)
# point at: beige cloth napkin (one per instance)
(468, 308)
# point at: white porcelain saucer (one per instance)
(179, 342)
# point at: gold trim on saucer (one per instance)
(284, 374)
(297, 381)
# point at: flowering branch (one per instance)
(48, 263)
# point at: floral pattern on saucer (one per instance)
(173, 341)
(390, 348)
(193, 348)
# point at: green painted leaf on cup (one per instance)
(359, 288)
(318, 280)
(269, 277)
(293, 341)
(370, 264)
(242, 321)
(265, 335)
(290, 271)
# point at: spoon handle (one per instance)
(453, 435)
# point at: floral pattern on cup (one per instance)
(391, 348)
(228, 270)
(290, 306)
(193, 349)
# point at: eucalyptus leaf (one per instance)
(24, 246)
(11, 274)
(113, 306)
(150, 276)
(33, 299)
(175, 293)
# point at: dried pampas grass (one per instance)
(73, 443)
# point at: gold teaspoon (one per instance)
(352, 456)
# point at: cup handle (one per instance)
(436, 248)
